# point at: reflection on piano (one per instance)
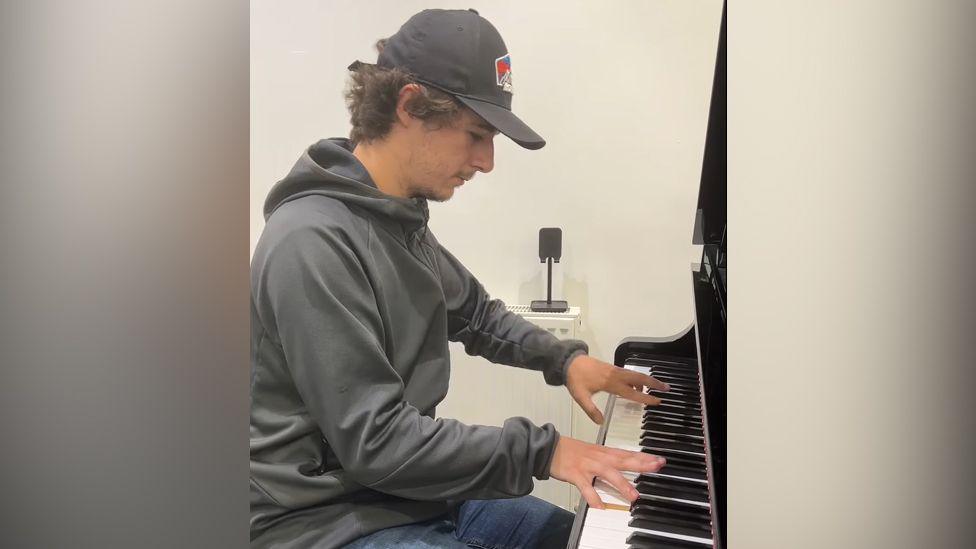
(683, 504)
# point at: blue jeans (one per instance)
(521, 523)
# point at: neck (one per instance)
(380, 162)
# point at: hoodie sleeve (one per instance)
(326, 318)
(488, 329)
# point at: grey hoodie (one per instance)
(353, 302)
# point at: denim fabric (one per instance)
(522, 523)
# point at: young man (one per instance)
(353, 302)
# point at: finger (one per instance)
(613, 477)
(591, 410)
(590, 495)
(639, 396)
(639, 462)
(645, 380)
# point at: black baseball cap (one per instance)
(461, 53)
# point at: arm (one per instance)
(489, 330)
(332, 337)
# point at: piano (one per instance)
(682, 505)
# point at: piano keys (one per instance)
(674, 504)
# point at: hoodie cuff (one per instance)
(569, 350)
(543, 465)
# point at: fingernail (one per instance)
(667, 387)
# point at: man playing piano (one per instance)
(353, 302)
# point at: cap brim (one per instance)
(505, 122)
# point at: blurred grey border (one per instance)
(124, 328)
(123, 312)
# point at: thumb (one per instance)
(591, 410)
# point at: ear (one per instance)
(407, 93)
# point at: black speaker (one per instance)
(550, 244)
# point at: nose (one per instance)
(483, 158)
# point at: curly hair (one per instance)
(372, 99)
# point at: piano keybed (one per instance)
(673, 509)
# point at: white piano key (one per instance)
(706, 542)
(700, 504)
(606, 528)
(609, 495)
(646, 370)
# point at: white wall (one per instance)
(619, 89)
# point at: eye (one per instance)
(476, 136)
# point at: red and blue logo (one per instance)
(503, 72)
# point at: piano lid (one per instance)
(711, 218)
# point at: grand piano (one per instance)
(682, 505)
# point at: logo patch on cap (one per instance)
(503, 72)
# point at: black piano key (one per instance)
(685, 428)
(661, 441)
(680, 470)
(691, 401)
(675, 396)
(650, 363)
(672, 454)
(658, 430)
(687, 407)
(662, 487)
(685, 384)
(668, 411)
(675, 457)
(687, 372)
(681, 413)
(674, 365)
(672, 491)
(654, 508)
(682, 442)
(659, 488)
(668, 414)
(684, 511)
(693, 398)
(679, 383)
(691, 375)
(658, 373)
(684, 480)
(661, 414)
(687, 398)
(671, 501)
(677, 430)
(692, 492)
(683, 410)
(672, 526)
(641, 540)
(678, 406)
(652, 440)
(674, 392)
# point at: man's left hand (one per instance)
(587, 375)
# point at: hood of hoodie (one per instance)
(328, 168)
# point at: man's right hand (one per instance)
(578, 462)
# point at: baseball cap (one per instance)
(462, 54)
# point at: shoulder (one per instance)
(312, 224)
(315, 212)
